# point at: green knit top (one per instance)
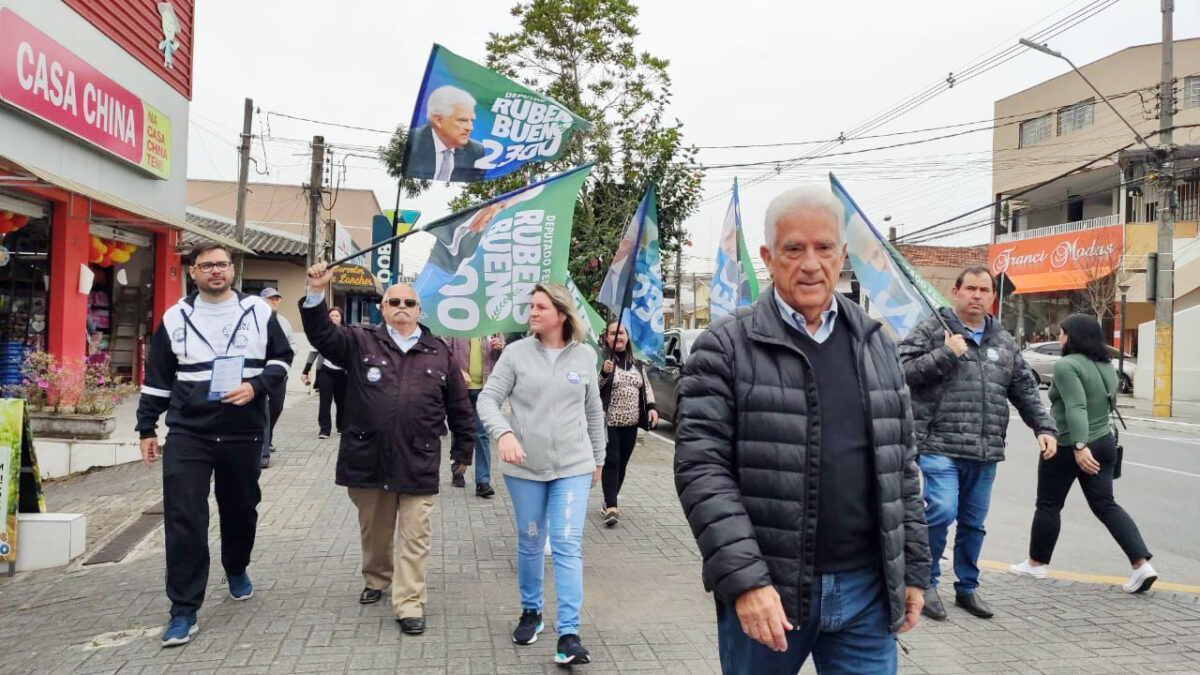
(1079, 398)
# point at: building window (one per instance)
(1075, 117)
(256, 286)
(1190, 96)
(1037, 130)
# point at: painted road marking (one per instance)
(1159, 585)
(1159, 468)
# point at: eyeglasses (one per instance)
(407, 302)
(219, 266)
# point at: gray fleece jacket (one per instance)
(557, 415)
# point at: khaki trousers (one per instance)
(378, 512)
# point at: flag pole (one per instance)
(627, 295)
(461, 212)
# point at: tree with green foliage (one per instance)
(582, 54)
(392, 156)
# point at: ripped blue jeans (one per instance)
(557, 507)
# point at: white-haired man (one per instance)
(796, 467)
(442, 149)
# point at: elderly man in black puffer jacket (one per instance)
(796, 467)
(962, 381)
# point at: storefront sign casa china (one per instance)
(45, 79)
(1083, 250)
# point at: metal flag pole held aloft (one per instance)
(452, 217)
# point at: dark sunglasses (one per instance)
(407, 302)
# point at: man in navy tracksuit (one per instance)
(212, 361)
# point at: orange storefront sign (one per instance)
(1061, 262)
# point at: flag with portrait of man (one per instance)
(897, 291)
(472, 124)
(486, 259)
(734, 283)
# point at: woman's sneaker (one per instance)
(528, 627)
(1027, 570)
(1141, 579)
(611, 516)
(570, 651)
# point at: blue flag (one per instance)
(734, 283)
(634, 281)
(896, 289)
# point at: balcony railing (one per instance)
(1064, 228)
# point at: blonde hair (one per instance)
(560, 297)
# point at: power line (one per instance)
(968, 72)
(328, 124)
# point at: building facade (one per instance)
(94, 100)
(1076, 197)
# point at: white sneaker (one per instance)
(1141, 579)
(1027, 570)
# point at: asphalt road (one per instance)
(1160, 489)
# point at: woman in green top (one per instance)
(1084, 381)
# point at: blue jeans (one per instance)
(957, 489)
(848, 631)
(483, 460)
(557, 507)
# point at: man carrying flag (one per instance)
(734, 283)
(964, 369)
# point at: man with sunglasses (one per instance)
(402, 385)
(213, 359)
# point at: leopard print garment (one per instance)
(623, 408)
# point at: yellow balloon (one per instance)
(119, 256)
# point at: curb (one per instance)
(1164, 425)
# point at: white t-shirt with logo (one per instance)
(217, 321)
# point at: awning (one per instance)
(1047, 282)
(125, 205)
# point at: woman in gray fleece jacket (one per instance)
(552, 453)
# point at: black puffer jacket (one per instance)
(960, 405)
(748, 449)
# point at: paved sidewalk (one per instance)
(645, 610)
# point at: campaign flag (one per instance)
(487, 258)
(734, 283)
(634, 281)
(591, 319)
(471, 123)
(894, 286)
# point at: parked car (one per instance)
(1041, 357)
(664, 379)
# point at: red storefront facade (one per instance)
(93, 153)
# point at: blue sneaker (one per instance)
(240, 587)
(180, 630)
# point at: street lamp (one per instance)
(1058, 55)
(1121, 343)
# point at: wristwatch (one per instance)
(1080, 446)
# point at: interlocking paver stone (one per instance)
(645, 610)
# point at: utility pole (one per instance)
(315, 181)
(695, 301)
(679, 285)
(243, 177)
(1164, 306)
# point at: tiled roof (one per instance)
(944, 256)
(264, 240)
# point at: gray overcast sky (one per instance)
(753, 71)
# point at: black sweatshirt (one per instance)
(179, 367)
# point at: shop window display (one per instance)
(24, 290)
